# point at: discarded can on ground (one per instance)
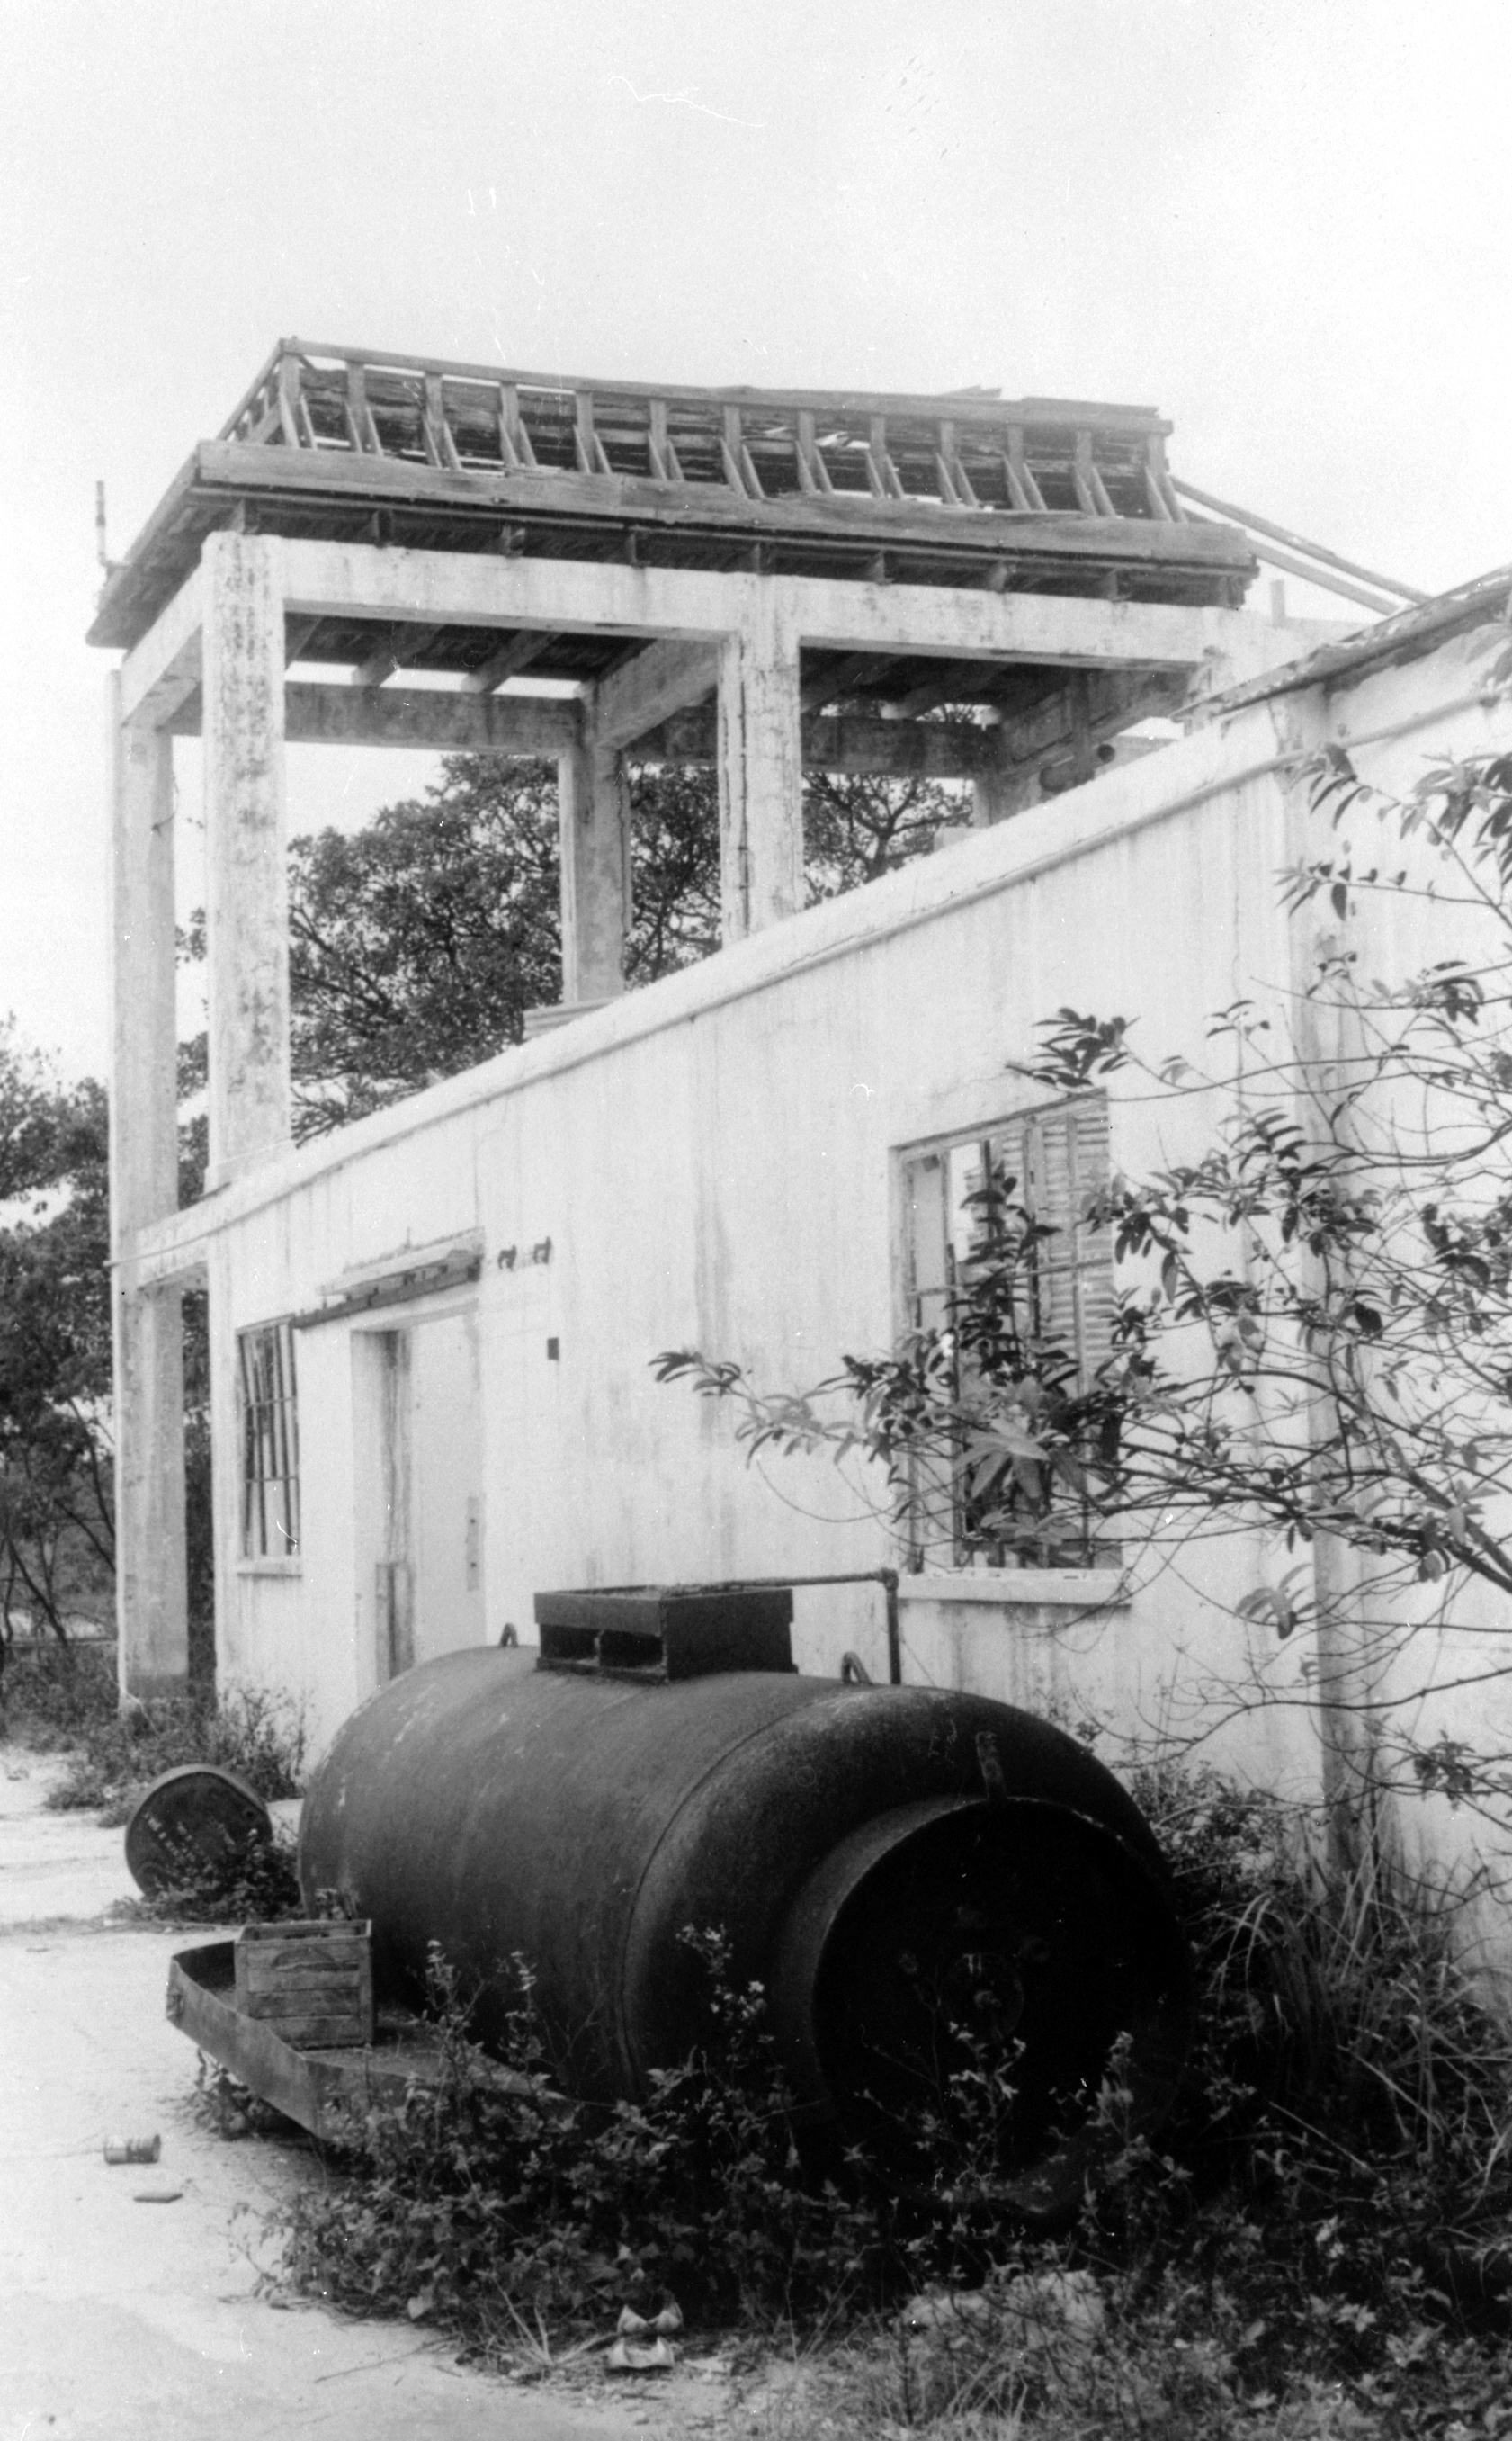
(132, 2148)
(923, 1881)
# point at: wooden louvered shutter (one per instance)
(1060, 1158)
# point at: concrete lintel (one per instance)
(358, 580)
(434, 720)
(144, 1264)
(163, 670)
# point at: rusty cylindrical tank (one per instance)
(906, 1869)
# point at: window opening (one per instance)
(270, 1443)
(1011, 1288)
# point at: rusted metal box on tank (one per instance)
(667, 1631)
(311, 1981)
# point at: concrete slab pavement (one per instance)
(121, 2320)
(59, 1865)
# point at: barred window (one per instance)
(270, 1443)
(1026, 1185)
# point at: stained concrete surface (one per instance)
(121, 2318)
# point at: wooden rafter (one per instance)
(839, 678)
(405, 644)
(509, 660)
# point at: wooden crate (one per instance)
(311, 1981)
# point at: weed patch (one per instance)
(252, 1731)
(495, 2210)
(247, 1881)
(1319, 2244)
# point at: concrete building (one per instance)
(432, 1332)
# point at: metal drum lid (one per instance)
(195, 1815)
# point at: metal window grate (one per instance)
(270, 1442)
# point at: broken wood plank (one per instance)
(1295, 542)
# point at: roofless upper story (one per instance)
(458, 558)
(1033, 495)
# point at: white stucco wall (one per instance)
(714, 1162)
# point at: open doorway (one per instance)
(419, 1488)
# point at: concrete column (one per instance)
(146, 1327)
(1004, 794)
(151, 1605)
(247, 893)
(761, 771)
(594, 798)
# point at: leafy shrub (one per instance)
(252, 1731)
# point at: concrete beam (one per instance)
(667, 678)
(900, 749)
(432, 587)
(432, 720)
(1094, 705)
(163, 670)
(761, 771)
(246, 896)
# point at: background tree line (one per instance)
(417, 944)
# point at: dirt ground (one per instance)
(122, 2317)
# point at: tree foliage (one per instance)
(418, 942)
(1314, 1331)
(56, 1538)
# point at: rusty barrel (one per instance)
(918, 1877)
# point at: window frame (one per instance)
(981, 1116)
(268, 1486)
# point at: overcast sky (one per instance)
(1286, 222)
